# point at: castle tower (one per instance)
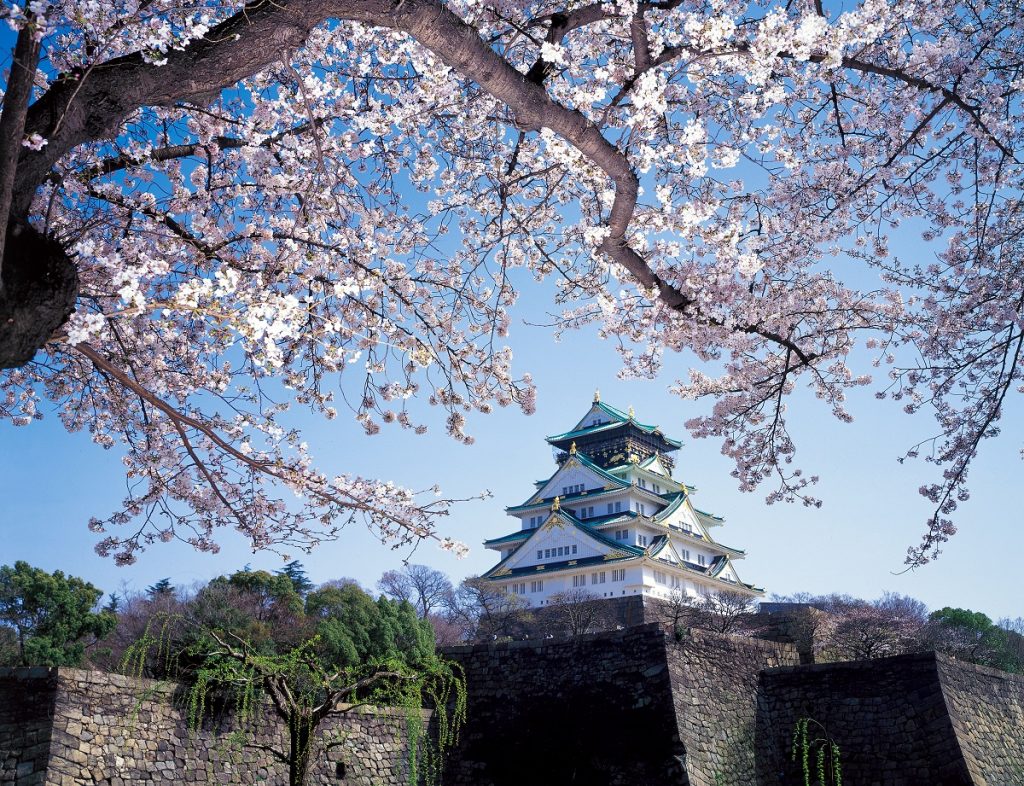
(612, 520)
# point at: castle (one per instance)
(612, 522)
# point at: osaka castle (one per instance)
(613, 521)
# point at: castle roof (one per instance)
(617, 421)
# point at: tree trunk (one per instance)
(40, 286)
(300, 733)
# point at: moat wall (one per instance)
(625, 707)
(622, 708)
(900, 721)
(68, 727)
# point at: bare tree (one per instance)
(577, 611)
(721, 612)
(426, 588)
(892, 625)
(488, 612)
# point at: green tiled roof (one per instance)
(619, 418)
(671, 508)
(593, 493)
(522, 534)
(570, 499)
(730, 548)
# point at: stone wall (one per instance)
(900, 721)
(714, 688)
(80, 728)
(26, 712)
(625, 707)
(986, 708)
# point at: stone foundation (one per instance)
(67, 727)
(626, 707)
(901, 721)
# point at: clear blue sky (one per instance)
(51, 482)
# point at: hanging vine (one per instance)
(817, 754)
(303, 691)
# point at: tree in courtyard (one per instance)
(200, 197)
(354, 628)
(426, 588)
(48, 619)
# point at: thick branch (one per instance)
(12, 122)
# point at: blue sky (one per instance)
(52, 482)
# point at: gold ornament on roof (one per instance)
(556, 505)
(634, 458)
(572, 449)
(597, 396)
(631, 413)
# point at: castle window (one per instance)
(609, 507)
(701, 560)
(574, 549)
(540, 553)
(619, 575)
(685, 554)
(618, 507)
(536, 586)
(659, 577)
(579, 581)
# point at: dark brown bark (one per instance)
(12, 121)
(40, 285)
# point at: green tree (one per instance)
(972, 636)
(161, 588)
(51, 616)
(354, 628)
(300, 581)
(306, 685)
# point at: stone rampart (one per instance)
(68, 727)
(900, 721)
(986, 708)
(625, 707)
(714, 689)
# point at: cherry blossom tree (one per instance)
(217, 211)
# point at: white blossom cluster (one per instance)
(354, 222)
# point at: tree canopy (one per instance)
(348, 199)
(48, 619)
